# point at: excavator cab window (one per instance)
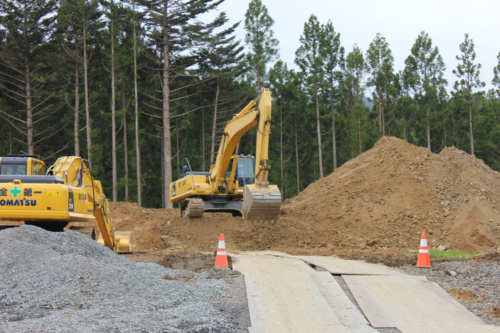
(37, 167)
(245, 172)
(230, 168)
(13, 169)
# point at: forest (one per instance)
(136, 86)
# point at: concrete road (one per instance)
(286, 294)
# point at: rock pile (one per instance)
(61, 282)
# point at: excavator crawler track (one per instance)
(192, 208)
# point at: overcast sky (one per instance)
(399, 21)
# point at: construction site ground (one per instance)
(373, 208)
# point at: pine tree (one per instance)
(380, 65)
(496, 76)
(468, 74)
(333, 55)
(259, 37)
(355, 69)
(311, 63)
(424, 70)
(280, 78)
(79, 25)
(111, 14)
(222, 61)
(24, 66)
(173, 31)
(136, 110)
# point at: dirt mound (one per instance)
(470, 197)
(378, 199)
(382, 199)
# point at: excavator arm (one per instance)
(262, 201)
(74, 172)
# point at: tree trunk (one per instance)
(470, 126)
(380, 122)
(297, 161)
(167, 149)
(212, 148)
(177, 145)
(404, 118)
(113, 110)
(334, 140)
(29, 109)
(137, 145)
(428, 129)
(281, 141)
(87, 102)
(258, 72)
(319, 136)
(76, 127)
(445, 138)
(125, 144)
(203, 136)
(359, 130)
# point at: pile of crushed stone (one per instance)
(62, 282)
(382, 199)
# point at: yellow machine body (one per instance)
(68, 193)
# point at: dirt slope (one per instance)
(381, 199)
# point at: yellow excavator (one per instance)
(236, 183)
(66, 197)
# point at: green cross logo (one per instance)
(15, 191)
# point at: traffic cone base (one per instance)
(423, 253)
(221, 258)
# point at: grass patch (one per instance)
(448, 254)
(451, 254)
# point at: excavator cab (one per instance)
(21, 164)
(245, 171)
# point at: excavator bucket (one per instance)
(125, 241)
(261, 203)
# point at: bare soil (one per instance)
(373, 208)
(379, 202)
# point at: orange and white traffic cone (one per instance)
(423, 253)
(221, 259)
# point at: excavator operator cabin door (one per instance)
(245, 171)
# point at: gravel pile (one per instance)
(474, 284)
(64, 282)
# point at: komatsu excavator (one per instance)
(66, 196)
(236, 184)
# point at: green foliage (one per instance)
(260, 39)
(346, 100)
(496, 77)
(424, 75)
(380, 65)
